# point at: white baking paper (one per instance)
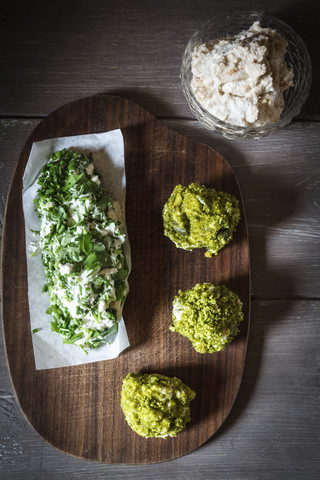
(108, 157)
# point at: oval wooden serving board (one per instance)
(77, 409)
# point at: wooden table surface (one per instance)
(56, 52)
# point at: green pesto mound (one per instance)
(208, 314)
(155, 405)
(200, 217)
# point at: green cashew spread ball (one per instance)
(209, 315)
(155, 405)
(199, 217)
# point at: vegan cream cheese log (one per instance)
(81, 243)
(241, 79)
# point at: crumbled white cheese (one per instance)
(108, 230)
(241, 80)
(96, 179)
(90, 168)
(65, 269)
(177, 310)
(102, 306)
(90, 322)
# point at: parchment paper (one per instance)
(108, 157)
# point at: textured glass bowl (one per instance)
(297, 58)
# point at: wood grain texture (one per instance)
(56, 52)
(270, 433)
(282, 209)
(77, 409)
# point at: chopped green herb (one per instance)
(82, 251)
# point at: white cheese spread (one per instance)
(241, 80)
(81, 243)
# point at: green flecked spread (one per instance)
(197, 217)
(82, 252)
(156, 405)
(208, 315)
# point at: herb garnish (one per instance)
(82, 250)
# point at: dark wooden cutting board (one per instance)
(77, 409)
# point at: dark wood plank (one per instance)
(280, 179)
(77, 409)
(56, 52)
(13, 135)
(271, 432)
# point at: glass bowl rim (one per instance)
(206, 117)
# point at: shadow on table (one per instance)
(144, 99)
(268, 205)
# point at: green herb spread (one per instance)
(82, 250)
(208, 315)
(156, 405)
(197, 217)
